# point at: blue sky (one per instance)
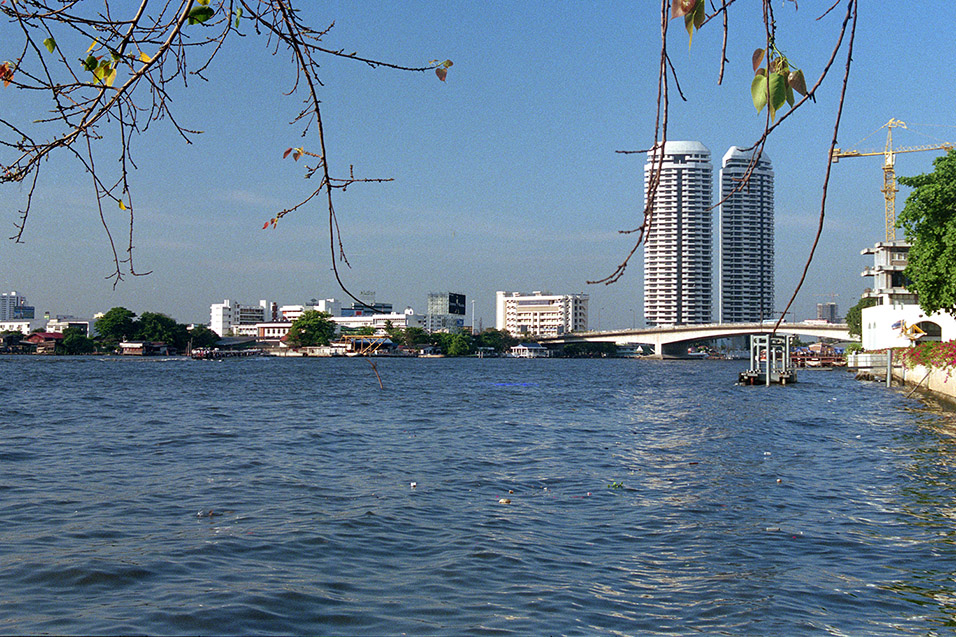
(506, 175)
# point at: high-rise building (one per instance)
(746, 238)
(541, 313)
(678, 261)
(828, 312)
(13, 307)
(446, 312)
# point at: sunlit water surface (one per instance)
(277, 496)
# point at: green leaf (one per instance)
(693, 20)
(758, 89)
(778, 92)
(90, 63)
(198, 15)
(789, 94)
(238, 13)
(50, 44)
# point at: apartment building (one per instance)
(746, 239)
(678, 261)
(540, 313)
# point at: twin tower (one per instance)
(678, 250)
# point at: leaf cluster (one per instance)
(775, 82)
(693, 12)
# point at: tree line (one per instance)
(120, 324)
(315, 329)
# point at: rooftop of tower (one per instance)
(735, 153)
(674, 147)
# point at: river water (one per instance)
(291, 496)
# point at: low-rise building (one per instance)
(23, 327)
(45, 342)
(541, 313)
(530, 350)
(62, 323)
(225, 316)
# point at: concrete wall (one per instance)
(938, 381)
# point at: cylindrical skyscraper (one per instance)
(746, 239)
(678, 261)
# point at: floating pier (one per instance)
(769, 361)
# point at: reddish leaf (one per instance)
(286, 153)
(797, 82)
(441, 72)
(265, 225)
(681, 7)
(758, 58)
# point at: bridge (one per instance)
(666, 339)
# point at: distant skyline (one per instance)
(506, 175)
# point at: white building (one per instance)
(329, 306)
(745, 261)
(541, 313)
(24, 327)
(897, 312)
(276, 330)
(60, 324)
(678, 261)
(226, 316)
(380, 321)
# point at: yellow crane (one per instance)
(889, 172)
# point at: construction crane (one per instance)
(889, 172)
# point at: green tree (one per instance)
(312, 328)
(202, 336)
(116, 325)
(154, 326)
(459, 345)
(75, 341)
(854, 316)
(929, 221)
(500, 340)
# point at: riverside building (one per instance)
(540, 313)
(746, 239)
(226, 316)
(678, 264)
(446, 312)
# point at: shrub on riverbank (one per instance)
(931, 355)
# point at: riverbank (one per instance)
(941, 383)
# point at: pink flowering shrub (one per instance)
(931, 354)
